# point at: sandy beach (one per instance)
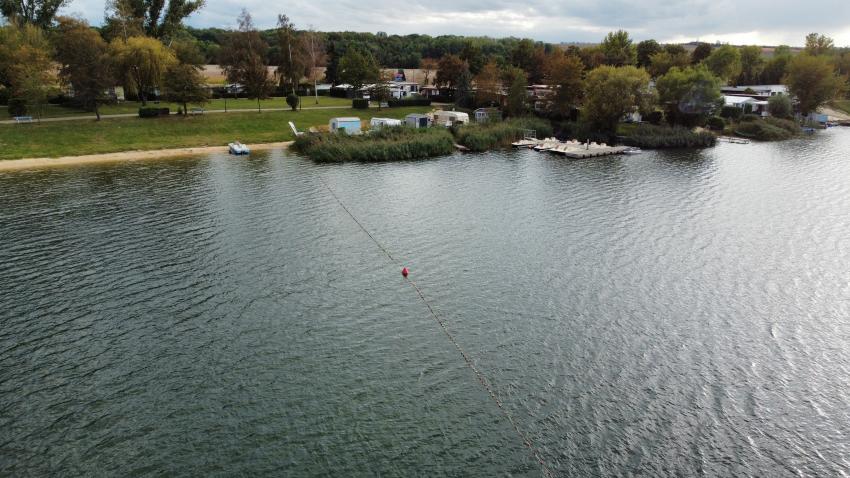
(39, 163)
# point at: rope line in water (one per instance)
(478, 374)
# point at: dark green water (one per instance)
(667, 314)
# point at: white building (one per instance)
(757, 107)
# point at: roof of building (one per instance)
(736, 100)
(346, 119)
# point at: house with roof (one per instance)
(747, 104)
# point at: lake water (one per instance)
(670, 313)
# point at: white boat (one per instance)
(238, 148)
(633, 151)
(525, 143)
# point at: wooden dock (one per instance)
(583, 152)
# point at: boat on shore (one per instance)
(238, 148)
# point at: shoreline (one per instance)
(125, 156)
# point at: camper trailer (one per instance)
(417, 120)
(450, 118)
(378, 123)
(348, 125)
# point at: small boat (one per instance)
(238, 148)
(632, 151)
(525, 143)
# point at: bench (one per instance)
(23, 119)
(196, 111)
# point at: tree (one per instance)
(618, 49)
(473, 57)
(184, 84)
(156, 18)
(142, 62)
(725, 63)
(818, 44)
(663, 61)
(780, 106)
(487, 84)
(752, 65)
(26, 67)
(85, 63)
(244, 59)
(645, 50)
(293, 61)
(689, 94)
(516, 102)
(357, 68)
(614, 91)
(428, 67)
(564, 74)
(34, 12)
(812, 80)
(316, 55)
(774, 70)
(463, 89)
(451, 67)
(700, 53)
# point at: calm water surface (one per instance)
(671, 313)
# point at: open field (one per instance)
(127, 134)
(125, 107)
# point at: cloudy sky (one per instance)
(766, 22)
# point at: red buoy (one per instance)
(404, 271)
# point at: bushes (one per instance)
(780, 106)
(388, 144)
(153, 112)
(360, 104)
(750, 117)
(785, 124)
(650, 136)
(484, 136)
(292, 101)
(17, 107)
(655, 117)
(409, 102)
(731, 112)
(766, 131)
(716, 123)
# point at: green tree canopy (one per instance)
(184, 84)
(294, 60)
(26, 67)
(516, 104)
(689, 94)
(752, 65)
(156, 18)
(812, 80)
(618, 49)
(818, 44)
(565, 74)
(35, 12)
(614, 91)
(700, 53)
(142, 62)
(244, 59)
(780, 106)
(357, 68)
(661, 62)
(645, 50)
(85, 64)
(725, 63)
(774, 69)
(449, 70)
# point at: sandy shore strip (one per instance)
(38, 163)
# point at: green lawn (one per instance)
(54, 111)
(67, 138)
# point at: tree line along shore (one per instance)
(62, 64)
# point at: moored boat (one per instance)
(238, 148)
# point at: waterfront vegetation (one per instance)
(387, 144)
(486, 136)
(766, 129)
(69, 138)
(656, 137)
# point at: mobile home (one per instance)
(377, 123)
(417, 120)
(450, 118)
(347, 125)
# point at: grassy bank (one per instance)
(483, 137)
(655, 137)
(132, 107)
(390, 144)
(841, 105)
(767, 129)
(126, 134)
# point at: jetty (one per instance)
(733, 139)
(572, 149)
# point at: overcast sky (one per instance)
(766, 22)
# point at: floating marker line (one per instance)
(478, 374)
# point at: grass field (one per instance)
(67, 138)
(55, 111)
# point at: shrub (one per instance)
(484, 136)
(650, 136)
(731, 112)
(393, 103)
(780, 106)
(17, 107)
(153, 112)
(655, 117)
(763, 131)
(716, 123)
(750, 117)
(360, 103)
(787, 125)
(387, 144)
(292, 101)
